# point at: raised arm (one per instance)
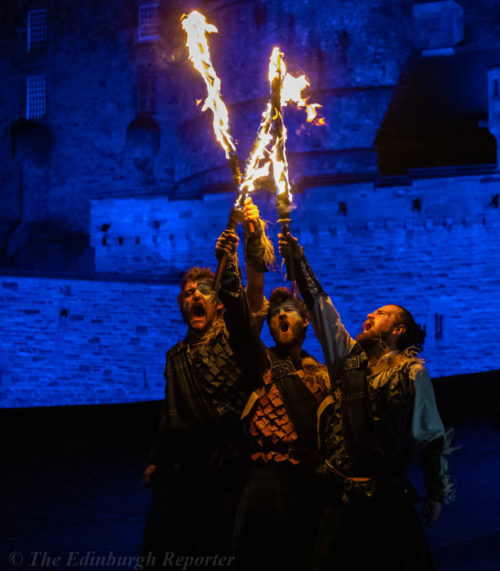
(335, 340)
(259, 255)
(243, 337)
(255, 264)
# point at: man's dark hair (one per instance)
(193, 275)
(414, 335)
(281, 295)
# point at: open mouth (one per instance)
(198, 310)
(284, 326)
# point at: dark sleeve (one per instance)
(430, 456)
(309, 286)
(325, 319)
(249, 350)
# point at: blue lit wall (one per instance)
(80, 341)
(102, 205)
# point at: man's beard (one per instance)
(372, 343)
(200, 337)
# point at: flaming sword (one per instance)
(277, 74)
(284, 89)
(197, 28)
(269, 150)
(261, 159)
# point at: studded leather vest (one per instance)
(388, 400)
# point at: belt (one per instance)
(338, 473)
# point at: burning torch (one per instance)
(269, 147)
(284, 89)
(277, 73)
(197, 28)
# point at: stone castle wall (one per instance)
(92, 341)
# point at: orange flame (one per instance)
(279, 99)
(291, 92)
(265, 150)
(258, 162)
(197, 28)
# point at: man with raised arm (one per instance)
(197, 467)
(380, 410)
(277, 514)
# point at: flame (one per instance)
(280, 171)
(268, 152)
(258, 164)
(291, 92)
(292, 88)
(197, 28)
(264, 154)
(279, 99)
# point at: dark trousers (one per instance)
(192, 514)
(378, 533)
(276, 519)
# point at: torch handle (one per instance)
(231, 225)
(290, 266)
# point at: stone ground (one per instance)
(72, 499)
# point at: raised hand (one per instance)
(227, 244)
(250, 213)
(289, 247)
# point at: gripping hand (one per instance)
(227, 244)
(250, 213)
(289, 247)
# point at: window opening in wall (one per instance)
(416, 205)
(342, 208)
(37, 29)
(438, 325)
(120, 240)
(146, 91)
(36, 105)
(148, 22)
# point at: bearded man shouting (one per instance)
(278, 512)
(196, 468)
(381, 411)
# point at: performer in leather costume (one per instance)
(380, 411)
(196, 469)
(277, 514)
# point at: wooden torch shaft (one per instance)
(290, 267)
(231, 225)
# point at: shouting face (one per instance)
(199, 304)
(383, 324)
(286, 324)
